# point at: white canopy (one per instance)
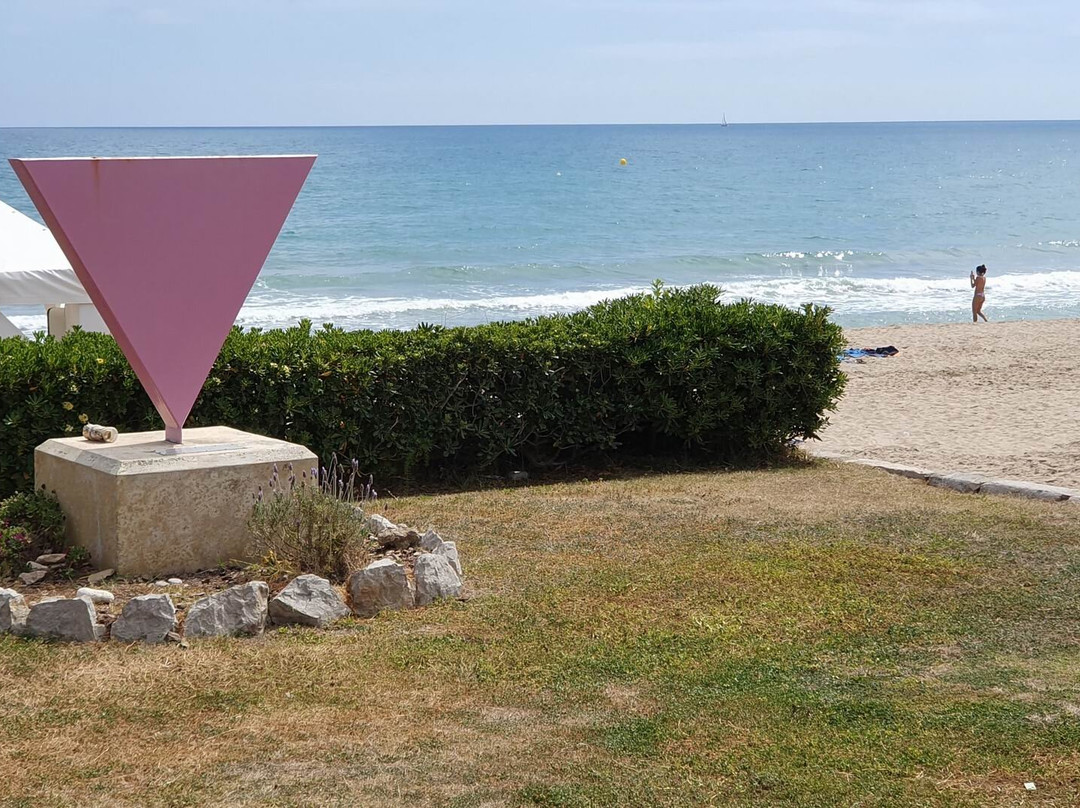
(33, 269)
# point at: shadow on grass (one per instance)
(597, 469)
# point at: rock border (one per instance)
(424, 569)
(963, 482)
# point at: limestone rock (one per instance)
(175, 581)
(31, 578)
(435, 578)
(377, 524)
(51, 558)
(382, 584)
(238, 610)
(449, 549)
(431, 541)
(400, 538)
(95, 595)
(146, 618)
(308, 600)
(64, 619)
(13, 612)
(172, 636)
(98, 577)
(33, 566)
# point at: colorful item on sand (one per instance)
(860, 353)
(167, 249)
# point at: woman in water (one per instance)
(978, 283)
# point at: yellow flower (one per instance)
(100, 361)
(84, 418)
(67, 405)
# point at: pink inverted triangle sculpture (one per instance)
(167, 249)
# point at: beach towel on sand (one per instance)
(859, 353)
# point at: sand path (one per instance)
(997, 398)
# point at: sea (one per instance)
(882, 222)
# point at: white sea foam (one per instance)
(854, 299)
(1035, 294)
(856, 295)
(392, 311)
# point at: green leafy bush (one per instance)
(31, 523)
(673, 373)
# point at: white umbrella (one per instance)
(33, 269)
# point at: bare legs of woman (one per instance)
(976, 308)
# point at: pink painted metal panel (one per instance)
(168, 249)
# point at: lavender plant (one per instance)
(312, 523)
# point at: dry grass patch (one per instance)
(814, 636)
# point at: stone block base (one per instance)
(145, 507)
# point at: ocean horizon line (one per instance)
(541, 125)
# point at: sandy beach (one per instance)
(998, 398)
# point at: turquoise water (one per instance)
(459, 225)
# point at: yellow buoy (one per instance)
(622, 161)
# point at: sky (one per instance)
(394, 62)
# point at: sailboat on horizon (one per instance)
(723, 122)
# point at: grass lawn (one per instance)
(814, 636)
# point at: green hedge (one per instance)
(673, 373)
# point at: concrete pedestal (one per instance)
(146, 507)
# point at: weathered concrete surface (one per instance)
(1016, 488)
(958, 481)
(146, 507)
(911, 472)
(884, 465)
(967, 483)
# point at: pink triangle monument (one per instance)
(167, 249)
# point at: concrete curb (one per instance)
(965, 483)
